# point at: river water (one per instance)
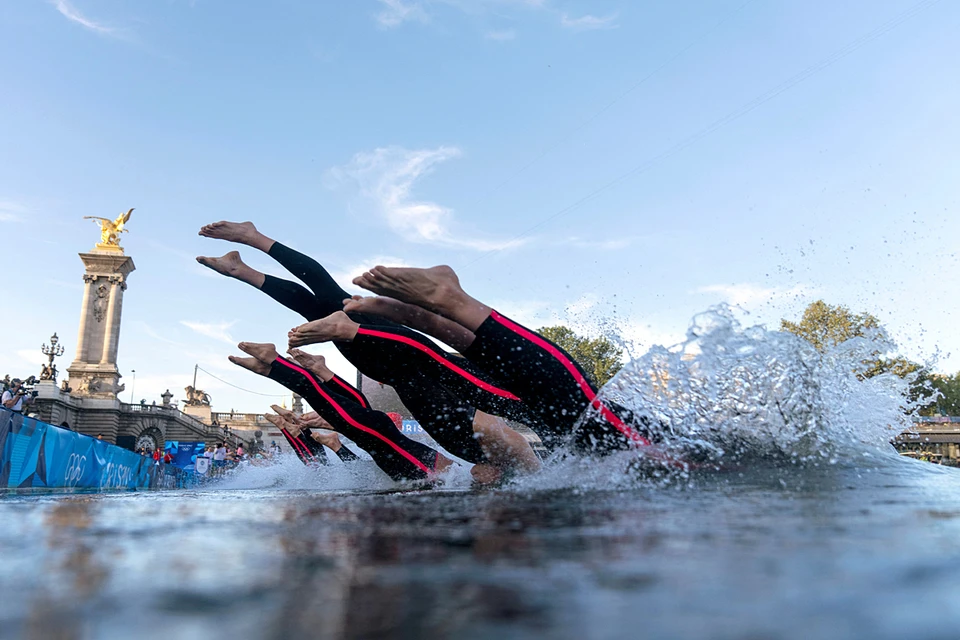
(870, 550)
(800, 521)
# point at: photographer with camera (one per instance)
(16, 396)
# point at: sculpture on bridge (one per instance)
(110, 230)
(196, 397)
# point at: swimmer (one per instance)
(442, 392)
(318, 431)
(538, 371)
(499, 445)
(398, 456)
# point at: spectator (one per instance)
(167, 458)
(239, 452)
(13, 398)
(274, 448)
(220, 456)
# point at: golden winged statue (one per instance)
(110, 230)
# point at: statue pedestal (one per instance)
(93, 373)
(201, 412)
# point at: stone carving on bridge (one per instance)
(196, 397)
(110, 230)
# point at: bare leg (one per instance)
(415, 317)
(239, 232)
(317, 365)
(265, 352)
(504, 447)
(232, 266)
(281, 423)
(251, 364)
(327, 438)
(436, 289)
(337, 327)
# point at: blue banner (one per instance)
(36, 454)
(184, 453)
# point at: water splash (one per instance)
(731, 393)
(288, 472)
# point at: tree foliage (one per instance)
(825, 326)
(948, 400)
(599, 357)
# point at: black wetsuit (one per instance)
(397, 455)
(553, 385)
(312, 452)
(441, 390)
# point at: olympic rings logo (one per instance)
(76, 465)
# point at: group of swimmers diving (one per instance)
(501, 371)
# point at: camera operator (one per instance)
(15, 397)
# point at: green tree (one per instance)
(948, 401)
(599, 357)
(825, 326)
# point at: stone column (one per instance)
(94, 373)
(105, 355)
(88, 280)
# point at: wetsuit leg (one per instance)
(443, 415)
(344, 388)
(293, 296)
(550, 382)
(329, 296)
(398, 456)
(305, 449)
(390, 347)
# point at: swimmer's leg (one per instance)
(410, 315)
(337, 327)
(317, 365)
(394, 453)
(538, 371)
(290, 294)
(308, 452)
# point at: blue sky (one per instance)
(771, 153)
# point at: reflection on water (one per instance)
(834, 552)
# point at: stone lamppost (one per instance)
(55, 350)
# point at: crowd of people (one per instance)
(498, 370)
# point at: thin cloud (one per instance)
(501, 36)
(748, 294)
(396, 12)
(215, 330)
(11, 211)
(611, 245)
(386, 177)
(71, 13)
(588, 22)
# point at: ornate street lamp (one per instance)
(55, 350)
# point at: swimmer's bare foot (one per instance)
(286, 414)
(240, 232)
(317, 365)
(282, 423)
(327, 438)
(382, 306)
(430, 323)
(232, 266)
(337, 326)
(428, 288)
(314, 421)
(436, 289)
(265, 352)
(251, 364)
